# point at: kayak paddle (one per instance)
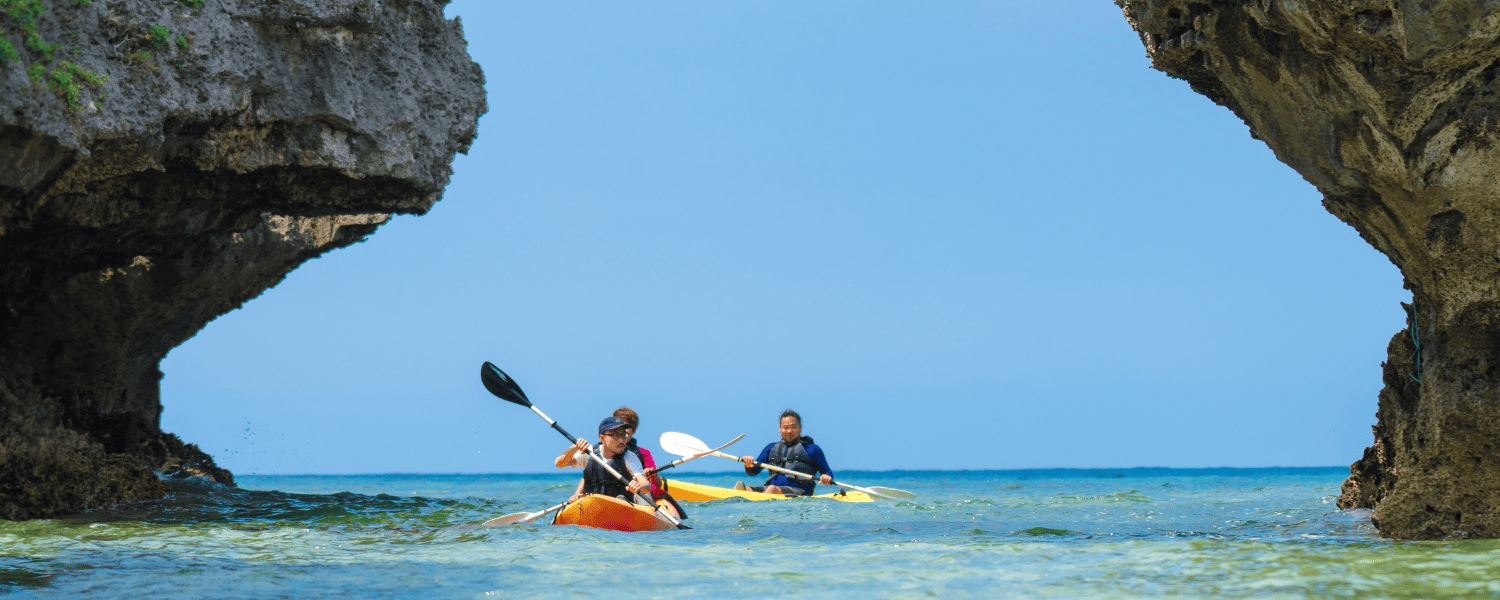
(505, 388)
(684, 444)
(650, 472)
(520, 517)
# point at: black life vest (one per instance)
(596, 480)
(795, 458)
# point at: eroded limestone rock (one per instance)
(1391, 109)
(254, 136)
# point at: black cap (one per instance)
(609, 423)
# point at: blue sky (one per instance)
(957, 235)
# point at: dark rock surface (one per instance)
(254, 136)
(1391, 108)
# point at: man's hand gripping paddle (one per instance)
(505, 388)
(684, 445)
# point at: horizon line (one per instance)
(573, 472)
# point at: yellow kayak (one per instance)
(693, 492)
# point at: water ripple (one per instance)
(1089, 533)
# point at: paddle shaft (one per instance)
(534, 516)
(653, 471)
(520, 517)
(549, 421)
(806, 476)
(684, 459)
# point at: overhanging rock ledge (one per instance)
(1392, 110)
(161, 163)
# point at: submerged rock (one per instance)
(161, 163)
(1393, 111)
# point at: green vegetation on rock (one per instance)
(142, 58)
(67, 79)
(22, 14)
(158, 35)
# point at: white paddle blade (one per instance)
(518, 518)
(510, 519)
(893, 493)
(682, 444)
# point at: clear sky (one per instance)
(954, 235)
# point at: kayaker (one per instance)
(659, 493)
(597, 480)
(795, 452)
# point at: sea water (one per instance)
(1108, 533)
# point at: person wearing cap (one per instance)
(596, 479)
(795, 452)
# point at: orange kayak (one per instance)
(605, 512)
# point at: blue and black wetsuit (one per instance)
(802, 456)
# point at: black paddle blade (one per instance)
(501, 385)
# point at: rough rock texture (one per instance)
(255, 136)
(1391, 108)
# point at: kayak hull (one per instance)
(615, 514)
(693, 492)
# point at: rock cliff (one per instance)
(1391, 108)
(163, 162)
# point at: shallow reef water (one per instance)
(1069, 533)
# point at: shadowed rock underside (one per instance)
(229, 144)
(1391, 109)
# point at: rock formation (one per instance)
(163, 162)
(1391, 108)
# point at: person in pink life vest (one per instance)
(658, 484)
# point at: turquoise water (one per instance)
(972, 534)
